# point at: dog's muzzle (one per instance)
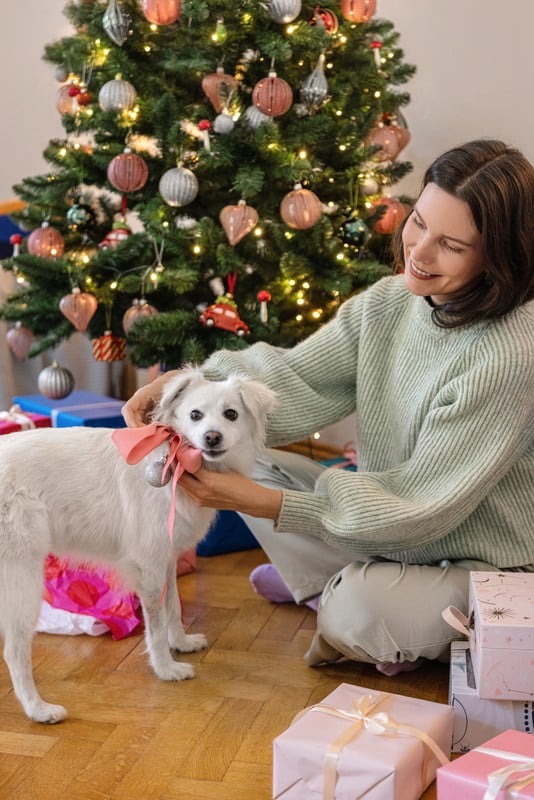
(213, 444)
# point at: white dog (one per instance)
(70, 491)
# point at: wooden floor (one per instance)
(130, 736)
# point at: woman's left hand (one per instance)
(231, 491)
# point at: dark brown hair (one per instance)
(497, 183)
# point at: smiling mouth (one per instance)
(213, 453)
(419, 273)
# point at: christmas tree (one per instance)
(225, 175)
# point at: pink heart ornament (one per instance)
(238, 220)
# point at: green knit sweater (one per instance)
(445, 428)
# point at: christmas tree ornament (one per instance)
(55, 381)
(79, 308)
(118, 234)
(46, 242)
(117, 95)
(253, 117)
(61, 74)
(358, 10)
(369, 186)
(300, 209)
(220, 34)
(139, 309)
(204, 127)
(80, 216)
(272, 95)
(223, 314)
(393, 212)
(161, 12)
(326, 18)
(223, 123)
(263, 298)
(403, 136)
(383, 138)
(354, 231)
(127, 172)
(74, 90)
(16, 240)
(218, 88)
(109, 347)
(314, 88)
(238, 220)
(154, 473)
(84, 98)
(19, 340)
(178, 186)
(376, 47)
(284, 10)
(66, 103)
(116, 22)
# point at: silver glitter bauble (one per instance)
(223, 123)
(369, 186)
(116, 22)
(55, 381)
(284, 10)
(154, 473)
(178, 186)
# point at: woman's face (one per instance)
(442, 246)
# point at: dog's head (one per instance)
(225, 419)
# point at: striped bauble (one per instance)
(117, 95)
(178, 186)
(127, 172)
(55, 381)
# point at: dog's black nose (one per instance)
(213, 438)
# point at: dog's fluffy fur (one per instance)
(69, 491)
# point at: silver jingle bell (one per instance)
(154, 473)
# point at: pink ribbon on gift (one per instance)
(349, 453)
(377, 724)
(136, 443)
(502, 779)
(16, 415)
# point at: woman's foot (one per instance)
(391, 668)
(267, 582)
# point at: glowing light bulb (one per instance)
(340, 256)
(196, 249)
(299, 317)
(63, 152)
(303, 154)
(258, 232)
(153, 27)
(305, 285)
(316, 435)
(300, 301)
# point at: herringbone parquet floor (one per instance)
(130, 736)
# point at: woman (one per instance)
(438, 364)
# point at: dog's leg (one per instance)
(178, 638)
(156, 637)
(20, 600)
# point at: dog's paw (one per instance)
(47, 713)
(189, 642)
(177, 671)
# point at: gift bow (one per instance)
(501, 779)
(136, 443)
(377, 724)
(15, 415)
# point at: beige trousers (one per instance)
(371, 609)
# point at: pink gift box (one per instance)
(501, 607)
(11, 426)
(377, 765)
(472, 776)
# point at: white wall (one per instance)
(474, 78)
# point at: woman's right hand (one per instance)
(138, 409)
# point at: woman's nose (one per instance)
(422, 250)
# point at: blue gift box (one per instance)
(86, 409)
(228, 534)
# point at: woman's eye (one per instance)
(196, 415)
(230, 414)
(452, 249)
(418, 222)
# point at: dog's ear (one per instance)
(172, 390)
(256, 397)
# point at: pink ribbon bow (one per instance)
(136, 443)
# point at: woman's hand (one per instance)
(231, 491)
(137, 410)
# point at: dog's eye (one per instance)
(230, 414)
(196, 415)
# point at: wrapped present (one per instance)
(361, 743)
(80, 408)
(500, 769)
(475, 720)
(500, 630)
(227, 534)
(90, 590)
(17, 420)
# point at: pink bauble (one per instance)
(238, 220)
(300, 209)
(384, 137)
(403, 136)
(139, 309)
(358, 10)
(272, 95)
(19, 340)
(46, 242)
(218, 87)
(65, 102)
(127, 172)
(394, 214)
(161, 12)
(79, 307)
